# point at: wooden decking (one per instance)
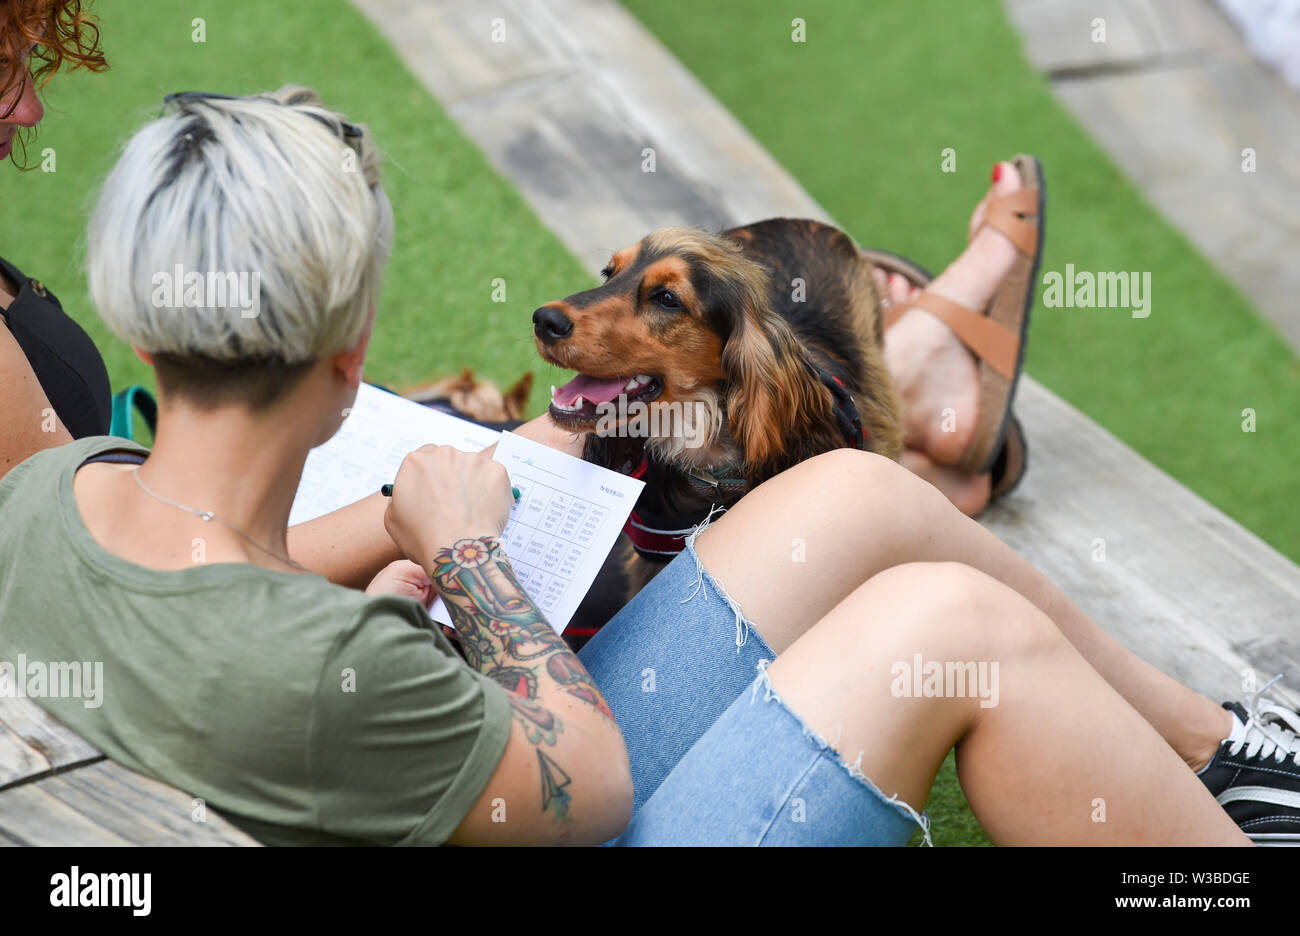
(566, 105)
(57, 789)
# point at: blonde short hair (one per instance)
(269, 205)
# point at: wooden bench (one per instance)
(58, 789)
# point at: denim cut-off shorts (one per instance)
(717, 757)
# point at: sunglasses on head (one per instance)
(350, 131)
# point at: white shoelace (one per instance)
(1271, 730)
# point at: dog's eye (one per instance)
(607, 272)
(666, 299)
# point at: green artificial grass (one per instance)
(861, 112)
(951, 821)
(459, 225)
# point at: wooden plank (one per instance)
(496, 55)
(106, 804)
(1177, 581)
(31, 815)
(19, 761)
(34, 743)
(564, 117)
(1061, 35)
(56, 788)
(1182, 584)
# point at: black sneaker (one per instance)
(1257, 778)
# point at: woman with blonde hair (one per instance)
(52, 377)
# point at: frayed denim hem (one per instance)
(704, 578)
(827, 750)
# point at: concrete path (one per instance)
(567, 107)
(1175, 97)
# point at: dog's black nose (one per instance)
(550, 324)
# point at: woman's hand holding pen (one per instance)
(442, 495)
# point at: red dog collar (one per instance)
(653, 541)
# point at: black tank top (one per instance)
(64, 359)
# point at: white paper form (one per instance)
(559, 532)
(561, 529)
(366, 452)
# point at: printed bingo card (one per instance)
(561, 529)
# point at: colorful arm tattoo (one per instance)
(505, 637)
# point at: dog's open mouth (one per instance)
(585, 398)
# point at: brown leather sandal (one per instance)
(1012, 461)
(1013, 458)
(997, 337)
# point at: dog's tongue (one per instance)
(591, 389)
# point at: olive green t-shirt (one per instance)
(302, 711)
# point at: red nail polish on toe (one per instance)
(997, 172)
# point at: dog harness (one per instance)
(659, 536)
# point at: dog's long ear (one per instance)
(779, 411)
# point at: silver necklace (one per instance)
(208, 516)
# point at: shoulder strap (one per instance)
(115, 458)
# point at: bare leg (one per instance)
(934, 373)
(969, 493)
(1059, 757)
(797, 546)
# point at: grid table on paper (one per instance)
(547, 537)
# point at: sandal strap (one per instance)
(988, 340)
(893, 312)
(1006, 213)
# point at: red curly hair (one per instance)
(57, 31)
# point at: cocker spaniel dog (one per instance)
(707, 363)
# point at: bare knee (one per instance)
(853, 466)
(863, 483)
(952, 608)
(930, 633)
